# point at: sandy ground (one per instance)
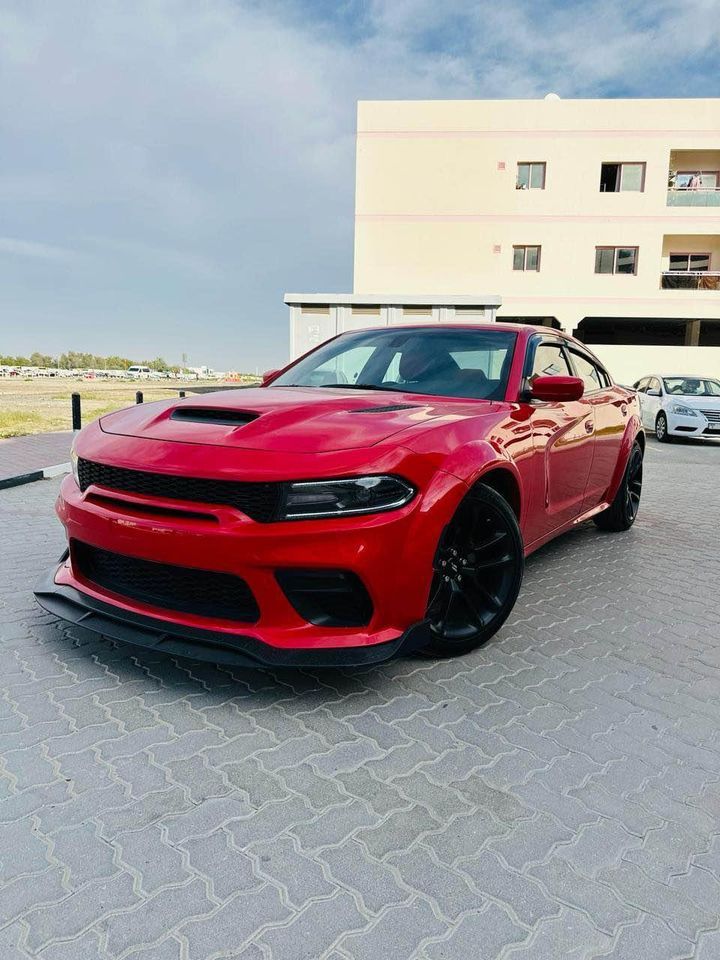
(42, 404)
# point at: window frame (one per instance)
(525, 247)
(689, 254)
(616, 249)
(691, 173)
(573, 351)
(531, 164)
(621, 164)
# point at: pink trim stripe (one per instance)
(670, 221)
(413, 134)
(674, 301)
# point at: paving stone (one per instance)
(375, 882)
(448, 890)
(300, 877)
(70, 916)
(147, 853)
(523, 895)
(156, 916)
(398, 832)
(315, 929)
(228, 869)
(597, 900)
(569, 936)
(85, 854)
(650, 939)
(405, 927)
(481, 934)
(227, 928)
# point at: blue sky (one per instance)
(169, 168)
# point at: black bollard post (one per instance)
(76, 416)
(182, 394)
(138, 396)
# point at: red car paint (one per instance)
(563, 460)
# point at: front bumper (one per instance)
(236, 649)
(699, 426)
(390, 553)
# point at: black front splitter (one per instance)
(70, 604)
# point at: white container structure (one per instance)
(315, 317)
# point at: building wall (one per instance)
(437, 210)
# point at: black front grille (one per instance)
(260, 501)
(185, 589)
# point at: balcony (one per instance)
(685, 197)
(694, 178)
(690, 280)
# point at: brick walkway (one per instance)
(21, 455)
(555, 795)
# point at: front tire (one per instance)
(621, 513)
(661, 429)
(478, 567)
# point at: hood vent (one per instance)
(387, 409)
(226, 418)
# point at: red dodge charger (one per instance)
(377, 496)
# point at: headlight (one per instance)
(682, 411)
(74, 466)
(335, 498)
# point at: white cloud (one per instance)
(188, 162)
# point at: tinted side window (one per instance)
(550, 361)
(588, 372)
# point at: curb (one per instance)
(45, 474)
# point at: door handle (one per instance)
(623, 410)
(588, 427)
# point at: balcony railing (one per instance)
(686, 197)
(690, 280)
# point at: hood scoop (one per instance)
(388, 408)
(226, 418)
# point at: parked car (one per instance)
(680, 406)
(138, 372)
(377, 496)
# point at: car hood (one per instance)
(692, 400)
(292, 419)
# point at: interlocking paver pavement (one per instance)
(554, 795)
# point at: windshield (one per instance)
(448, 363)
(692, 386)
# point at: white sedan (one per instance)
(680, 406)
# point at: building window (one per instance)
(616, 259)
(689, 262)
(620, 177)
(695, 180)
(530, 176)
(526, 258)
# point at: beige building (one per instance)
(600, 217)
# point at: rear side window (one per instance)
(592, 376)
(550, 361)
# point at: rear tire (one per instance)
(479, 567)
(661, 429)
(621, 513)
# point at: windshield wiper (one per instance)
(362, 386)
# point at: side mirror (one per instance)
(270, 375)
(556, 388)
(653, 393)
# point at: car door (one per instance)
(563, 443)
(652, 398)
(640, 388)
(611, 413)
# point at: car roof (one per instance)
(467, 325)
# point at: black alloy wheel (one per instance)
(661, 429)
(621, 513)
(478, 570)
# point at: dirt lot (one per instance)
(43, 404)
